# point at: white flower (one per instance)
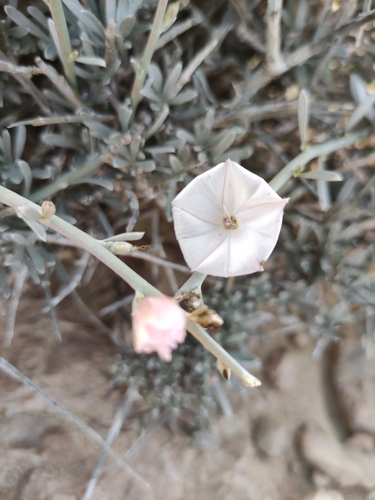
(227, 221)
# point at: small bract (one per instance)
(227, 221)
(159, 325)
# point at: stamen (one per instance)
(230, 222)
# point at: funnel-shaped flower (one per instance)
(159, 325)
(227, 221)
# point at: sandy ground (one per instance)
(307, 433)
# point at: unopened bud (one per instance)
(48, 210)
(121, 247)
(170, 16)
(223, 369)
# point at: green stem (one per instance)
(66, 180)
(144, 63)
(220, 353)
(85, 241)
(139, 284)
(314, 152)
(195, 281)
(58, 17)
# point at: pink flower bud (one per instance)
(159, 325)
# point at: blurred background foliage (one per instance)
(111, 150)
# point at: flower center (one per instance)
(230, 222)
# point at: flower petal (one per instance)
(197, 238)
(239, 185)
(234, 257)
(203, 197)
(158, 326)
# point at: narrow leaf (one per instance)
(15, 173)
(4, 283)
(126, 26)
(366, 107)
(183, 97)
(29, 213)
(27, 176)
(55, 38)
(98, 181)
(358, 88)
(156, 76)
(19, 141)
(224, 144)
(321, 175)
(38, 16)
(146, 166)
(36, 258)
(60, 141)
(92, 61)
(15, 238)
(7, 145)
(17, 17)
(37, 228)
(303, 114)
(172, 79)
(132, 236)
(170, 16)
(124, 115)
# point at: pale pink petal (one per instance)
(263, 195)
(239, 185)
(203, 196)
(234, 257)
(197, 238)
(262, 213)
(159, 325)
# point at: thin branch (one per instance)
(23, 76)
(220, 353)
(366, 8)
(255, 113)
(110, 43)
(42, 121)
(323, 63)
(67, 179)
(46, 285)
(124, 408)
(314, 152)
(177, 30)
(193, 65)
(20, 273)
(144, 63)
(148, 257)
(60, 83)
(65, 51)
(31, 89)
(262, 77)
(275, 60)
(116, 305)
(146, 434)
(81, 266)
(14, 69)
(12, 371)
(195, 281)
(248, 37)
